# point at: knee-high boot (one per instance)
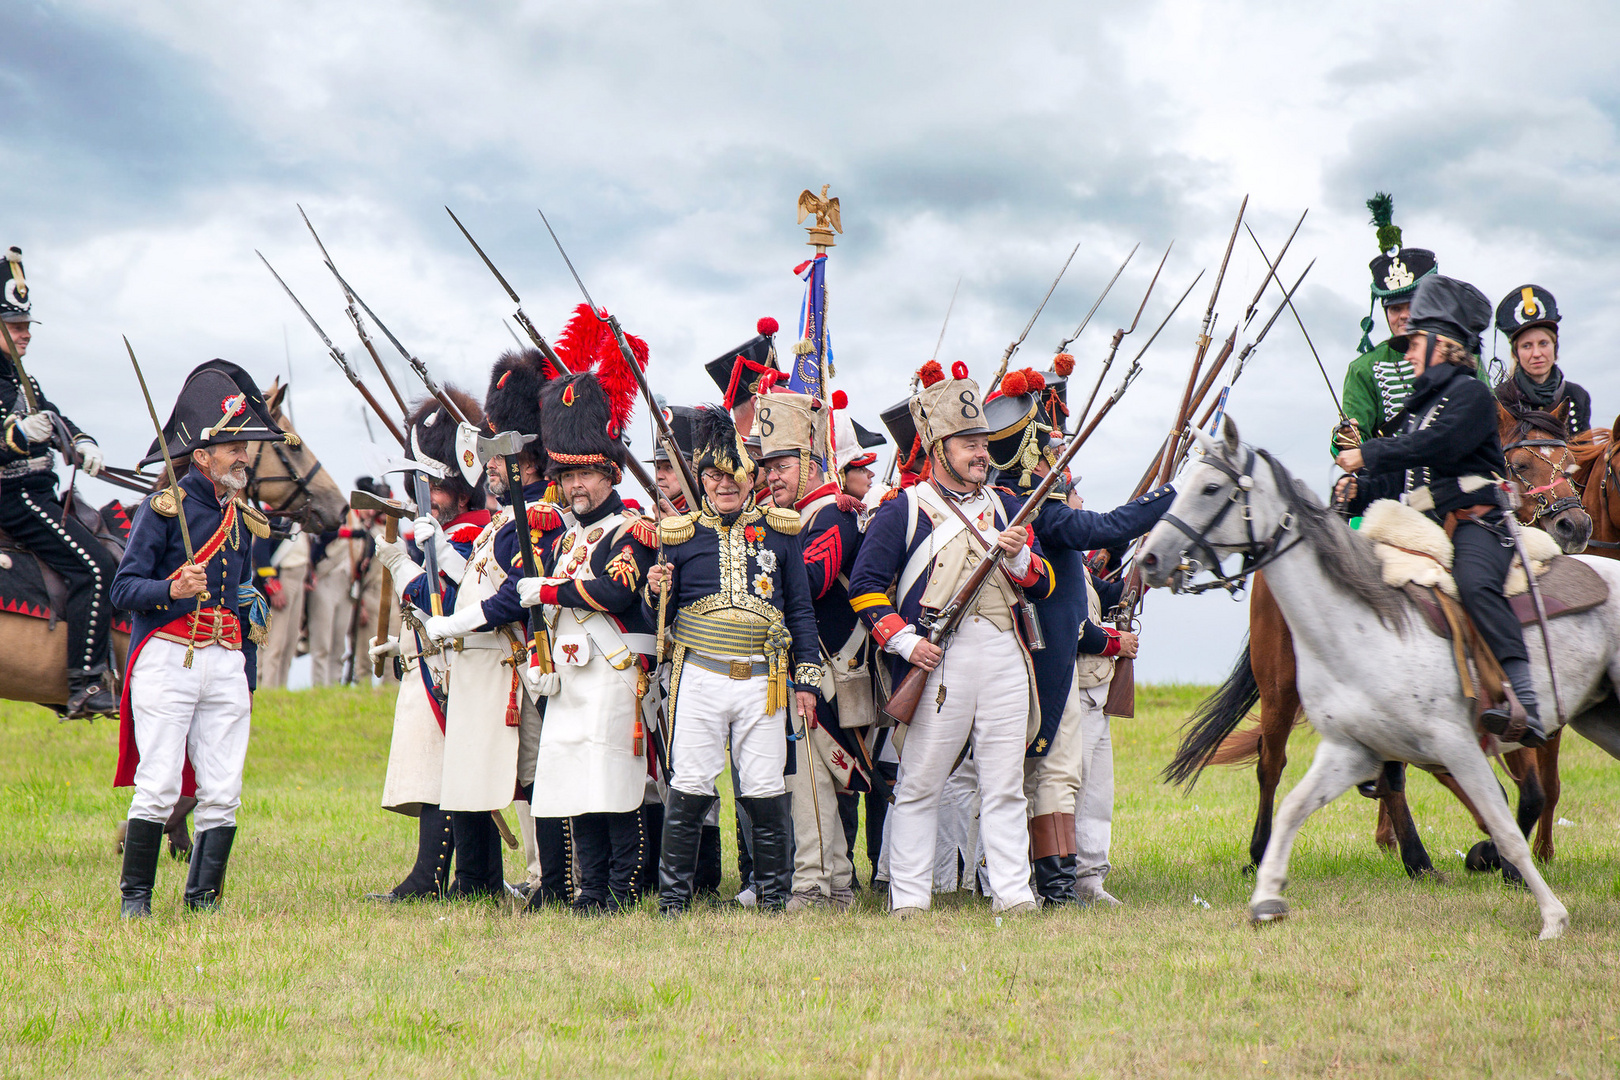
(556, 863)
(479, 873)
(709, 870)
(678, 851)
(141, 846)
(431, 872)
(593, 855)
(773, 849)
(210, 853)
(627, 846)
(652, 831)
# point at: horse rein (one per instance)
(299, 482)
(1257, 553)
(1544, 506)
(1610, 476)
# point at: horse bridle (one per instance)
(1544, 507)
(299, 482)
(1609, 476)
(1257, 553)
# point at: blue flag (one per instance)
(805, 376)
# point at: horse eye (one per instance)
(1210, 489)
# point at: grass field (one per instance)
(1372, 975)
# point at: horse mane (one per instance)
(1345, 555)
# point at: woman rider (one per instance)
(1529, 317)
(1445, 459)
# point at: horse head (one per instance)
(1541, 462)
(289, 479)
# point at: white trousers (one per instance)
(820, 851)
(987, 699)
(1052, 783)
(202, 712)
(710, 707)
(1094, 805)
(330, 613)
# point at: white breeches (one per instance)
(710, 708)
(987, 699)
(1051, 783)
(202, 712)
(1094, 806)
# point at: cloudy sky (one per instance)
(151, 147)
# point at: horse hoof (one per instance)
(1250, 870)
(1555, 926)
(1419, 873)
(1266, 911)
(1482, 857)
(1511, 876)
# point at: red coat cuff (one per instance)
(548, 594)
(888, 626)
(1112, 648)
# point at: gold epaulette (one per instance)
(677, 529)
(642, 528)
(255, 519)
(783, 520)
(165, 503)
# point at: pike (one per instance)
(1119, 336)
(1289, 299)
(1063, 346)
(337, 355)
(521, 317)
(354, 317)
(174, 481)
(1006, 356)
(689, 482)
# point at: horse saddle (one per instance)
(1413, 550)
(29, 587)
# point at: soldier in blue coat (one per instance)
(196, 619)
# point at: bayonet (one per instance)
(1271, 268)
(515, 339)
(1063, 346)
(522, 318)
(337, 354)
(354, 317)
(1243, 356)
(1006, 356)
(1119, 336)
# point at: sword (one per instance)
(1535, 593)
(1006, 355)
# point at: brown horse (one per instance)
(1540, 459)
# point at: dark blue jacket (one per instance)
(157, 549)
(618, 568)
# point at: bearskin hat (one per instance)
(577, 427)
(433, 434)
(512, 402)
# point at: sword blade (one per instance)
(1271, 268)
(1272, 273)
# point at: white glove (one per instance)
(462, 623)
(397, 561)
(90, 455)
(423, 529)
(540, 685)
(36, 427)
(389, 647)
(529, 589)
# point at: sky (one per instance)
(150, 149)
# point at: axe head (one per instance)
(505, 444)
(467, 459)
(427, 465)
(365, 500)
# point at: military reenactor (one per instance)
(737, 372)
(829, 756)
(592, 763)
(334, 558)
(855, 455)
(666, 473)
(1444, 457)
(31, 512)
(196, 622)
(412, 783)
(1069, 766)
(1529, 318)
(282, 565)
(491, 723)
(924, 545)
(744, 654)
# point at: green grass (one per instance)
(1372, 975)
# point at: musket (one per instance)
(1063, 346)
(354, 317)
(1535, 598)
(689, 482)
(1207, 326)
(1317, 357)
(902, 704)
(337, 356)
(515, 339)
(1247, 351)
(522, 318)
(1119, 336)
(174, 487)
(1006, 356)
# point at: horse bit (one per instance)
(1257, 553)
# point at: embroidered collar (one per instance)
(829, 488)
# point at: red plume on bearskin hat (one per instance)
(587, 344)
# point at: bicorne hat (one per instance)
(737, 372)
(219, 403)
(679, 418)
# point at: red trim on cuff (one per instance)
(1032, 575)
(548, 594)
(1112, 648)
(888, 626)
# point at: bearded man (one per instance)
(197, 620)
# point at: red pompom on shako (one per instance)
(1014, 384)
(1034, 380)
(767, 326)
(1063, 364)
(931, 373)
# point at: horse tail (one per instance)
(1215, 718)
(1238, 748)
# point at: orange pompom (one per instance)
(1035, 380)
(931, 373)
(1063, 364)
(959, 370)
(1014, 384)
(840, 400)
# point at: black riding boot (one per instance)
(431, 874)
(593, 854)
(628, 847)
(142, 842)
(210, 852)
(556, 867)
(678, 850)
(1502, 721)
(709, 870)
(652, 831)
(745, 846)
(88, 694)
(773, 849)
(1054, 880)
(479, 873)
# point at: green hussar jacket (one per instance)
(1376, 387)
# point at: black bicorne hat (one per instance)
(737, 371)
(1021, 423)
(679, 418)
(576, 427)
(1449, 308)
(512, 402)
(1525, 307)
(16, 306)
(219, 403)
(433, 435)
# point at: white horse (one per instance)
(1376, 683)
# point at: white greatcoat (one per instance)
(480, 751)
(416, 753)
(587, 762)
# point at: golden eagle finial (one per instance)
(827, 215)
